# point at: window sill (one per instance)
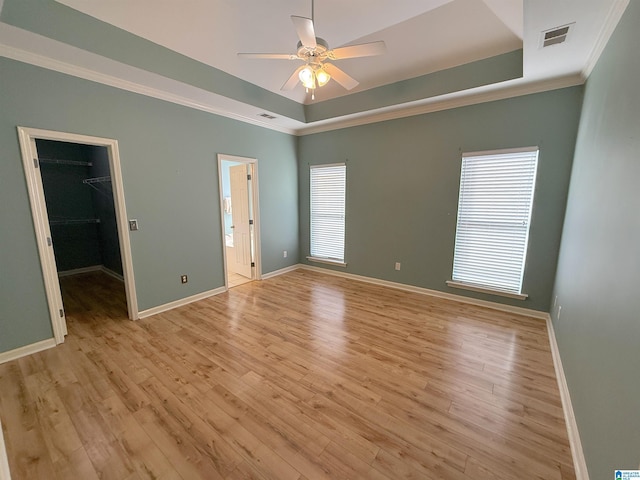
(328, 261)
(490, 291)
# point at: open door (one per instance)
(31, 163)
(241, 220)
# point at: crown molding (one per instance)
(188, 96)
(67, 68)
(611, 22)
(502, 91)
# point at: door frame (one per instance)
(27, 137)
(255, 208)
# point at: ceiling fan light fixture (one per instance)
(307, 77)
(322, 77)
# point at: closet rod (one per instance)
(78, 221)
(65, 162)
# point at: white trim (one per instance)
(92, 268)
(579, 462)
(111, 273)
(611, 22)
(79, 271)
(5, 474)
(500, 91)
(255, 201)
(489, 291)
(328, 261)
(444, 102)
(433, 293)
(27, 137)
(281, 271)
(502, 151)
(181, 302)
(31, 58)
(27, 350)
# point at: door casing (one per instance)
(255, 209)
(28, 149)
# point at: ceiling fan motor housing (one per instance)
(313, 55)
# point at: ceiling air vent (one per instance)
(556, 35)
(267, 116)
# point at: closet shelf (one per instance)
(96, 182)
(77, 221)
(89, 181)
(65, 162)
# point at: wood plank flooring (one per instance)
(235, 279)
(303, 376)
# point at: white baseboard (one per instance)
(282, 271)
(179, 303)
(201, 296)
(92, 268)
(432, 293)
(5, 474)
(27, 350)
(111, 273)
(78, 271)
(579, 462)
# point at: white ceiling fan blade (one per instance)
(362, 50)
(293, 79)
(339, 76)
(305, 31)
(274, 56)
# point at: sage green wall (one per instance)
(64, 24)
(169, 167)
(403, 178)
(598, 330)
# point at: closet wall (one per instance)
(79, 200)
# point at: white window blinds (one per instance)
(494, 210)
(328, 186)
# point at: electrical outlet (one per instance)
(284, 254)
(183, 279)
(397, 265)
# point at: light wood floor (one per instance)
(303, 376)
(235, 279)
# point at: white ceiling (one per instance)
(422, 36)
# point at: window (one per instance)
(494, 211)
(328, 186)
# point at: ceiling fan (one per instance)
(315, 53)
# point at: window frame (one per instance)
(528, 176)
(313, 252)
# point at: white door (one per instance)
(52, 284)
(240, 217)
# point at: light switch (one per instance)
(133, 224)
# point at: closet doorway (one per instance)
(240, 218)
(75, 189)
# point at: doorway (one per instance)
(240, 218)
(77, 204)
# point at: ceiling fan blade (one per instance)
(305, 31)
(276, 56)
(339, 76)
(293, 79)
(362, 50)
